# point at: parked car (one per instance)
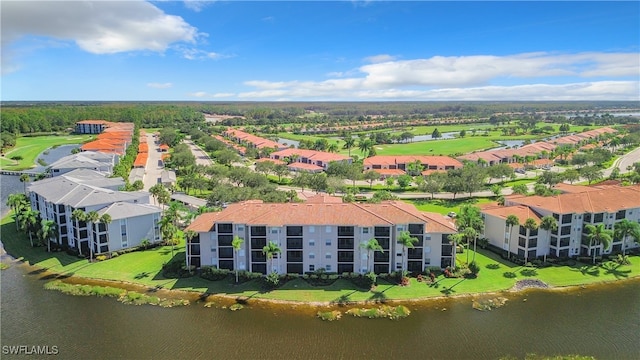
(451, 214)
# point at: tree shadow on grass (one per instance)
(343, 299)
(588, 270)
(611, 268)
(448, 291)
(142, 275)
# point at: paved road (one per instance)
(625, 161)
(154, 166)
(202, 158)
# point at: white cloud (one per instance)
(160, 85)
(98, 27)
(197, 5)
(198, 54)
(576, 76)
(380, 58)
(204, 94)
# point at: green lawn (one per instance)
(30, 147)
(144, 268)
(445, 206)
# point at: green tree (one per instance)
(92, 218)
(280, 170)
(520, 189)
(433, 183)
(349, 142)
(548, 223)
(271, 250)
(626, 229)
(17, 202)
(436, 134)
(371, 176)
(365, 146)
(301, 180)
(454, 240)
(265, 167)
(29, 222)
(511, 221)
(529, 224)
(371, 247)
(24, 179)
(591, 173)
(598, 235)
(188, 236)
(408, 242)
(236, 243)
(404, 180)
(389, 181)
(48, 231)
(571, 175)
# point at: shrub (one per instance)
(493, 266)
(213, 274)
(114, 254)
(509, 274)
(474, 268)
(272, 280)
(405, 281)
(101, 257)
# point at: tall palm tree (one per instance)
(24, 179)
(106, 220)
(529, 224)
(469, 234)
(168, 231)
(349, 142)
(511, 221)
(470, 217)
(78, 216)
(549, 224)
(17, 202)
(188, 236)
(29, 223)
(92, 218)
(365, 145)
(407, 241)
(48, 230)
(371, 246)
(236, 243)
(625, 229)
(454, 239)
(270, 250)
(598, 235)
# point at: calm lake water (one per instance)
(601, 321)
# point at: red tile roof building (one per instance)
(251, 140)
(397, 165)
(320, 159)
(322, 233)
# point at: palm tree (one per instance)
(371, 246)
(598, 235)
(79, 216)
(469, 234)
(333, 148)
(271, 249)
(349, 142)
(470, 217)
(549, 224)
(17, 202)
(529, 224)
(454, 239)
(237, 245)
(48, 230)
(106, 220)
(92, 218)
(625, 229)
(188, 236)
(156, 190)
(407, 241)
(365, 146)
(29, 222)
(168, 231)
(24, 179)
(511, 221)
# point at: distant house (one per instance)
(319, 159)
(388, 166)
(251, 141)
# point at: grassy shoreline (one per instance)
(143, 270)
(29, 148)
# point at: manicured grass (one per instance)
(30, 147)
(445, 206)
(513, 183)
(434, 147)
(144, 268)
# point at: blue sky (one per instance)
(317, 51)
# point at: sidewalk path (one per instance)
(154, 166)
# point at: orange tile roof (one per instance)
(325, 157)
(141, 160)
(440, 161)
(257, 141)
(323, 199)
(303, 166)
(389, 172)
(521, 212)
(164, 147)
(384, 214)
(600, 199)
(143, 147)
(270, 160)
(165, 156)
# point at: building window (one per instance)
(327, 255)
(327, 242)
(312, 229)
(427, 261)
(312, 256)
(240, 227)
(365, 230)
(312, 242)
(327, 229)
(328, 268)
(427, 237)
(312, 268)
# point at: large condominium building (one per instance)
(308, 160)
(133, 218)
(320, 234)
(91, 160)
(389, 165)
(573, 210)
